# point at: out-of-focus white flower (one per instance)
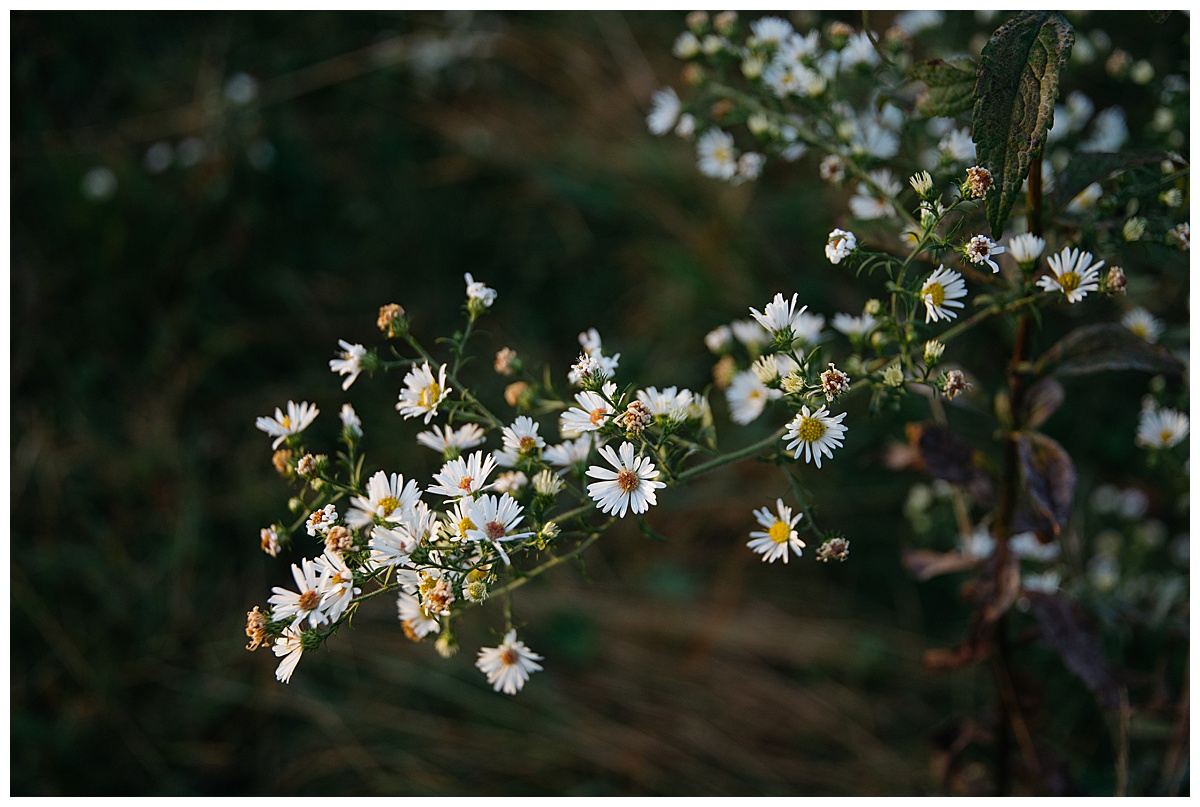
(958, 146)
(748, 396)
(718, 339)
(771, 31)
(1143, 323)
(451, 442)
(1161, 428)
(1109, 131)
(716, 154)
(853, 326)
(508, 666)
(750, 333)
(1086, 199)
(1026, 248)
(859, 50)
(686, 45)
(865, 204)
(664, 111)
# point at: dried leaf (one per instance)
(1065, 626)
(1014, 101)
(998, 585)
(1106, 346)
(951, 87)
(1049, 476)
(973, 649)
(1041, 401)
(945, 455)
(925, 564)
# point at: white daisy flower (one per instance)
(350, 363)
(297, 419)
(510, 482)
(864, 204)
(958, 146)
(463, 477)
(508, 666)
(450, 442)
(750, 333)
(1026, 546)
(869, 137)
(797, 49)
(671, 403)
(789, 78)
(290, 647)
(303, 603)
(980, 249)
(774, 542)
(839, 246)
(859, 50)
(1074, 274)
(749, 167)
(417, 620)
(520, 440)
(771, 30)
(913, 22)
(686, 126)
(816, 433)
(1026, 248)
(591, 413)
(664, 111)
(422, 392)
(747, 396)
(716, 154)
(718, 339)
(494, 520)
(478, 292)
(1086, 199)
(388, 498)
(1144, 324)
(630, 487)
(854, 326)
(337, 585)
(778, 314)
(1045, 582)
(321, 520)
(350, 421)
(569, 454)
(806, 328)
(391, 546)
(1161, 428)
(941, 292)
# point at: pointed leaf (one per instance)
(1014, 101)
(1065, 626)
(1106, 346)
(1049, 476)
(951, 87)
(1041, 401)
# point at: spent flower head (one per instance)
(977, 183)
(980, 249)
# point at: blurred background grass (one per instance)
(189, 246)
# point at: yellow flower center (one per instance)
(527, 444)
(286, 422)
(810, 430)
(628, 481)
(1069, 281)
(387, 504)
(465, 484)
(1165, 436)
(935, 291)
(429, 396)
(464, 525)
(598, 416)
(780, 532)
(309, 601)
(508, 657)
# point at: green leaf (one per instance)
(1014, 101)
(1106, 346)
(1088, 167)
(1049, 475)
(951, 86)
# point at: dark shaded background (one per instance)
(384, 155)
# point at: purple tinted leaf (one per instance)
(1066, 628)
(1049, 477)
